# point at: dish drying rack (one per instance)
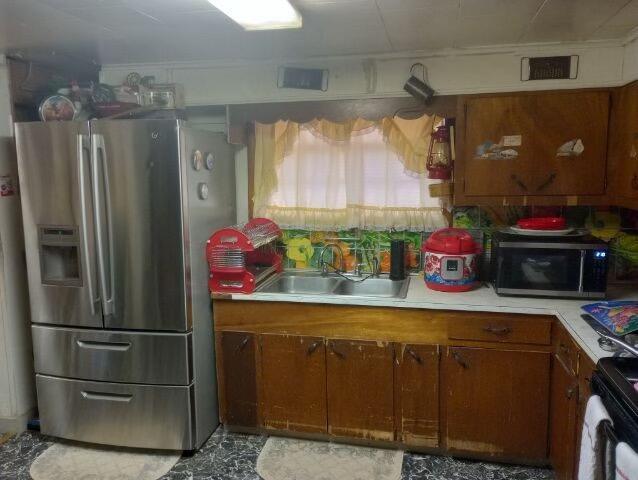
(243, 256)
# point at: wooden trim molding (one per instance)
(334, 110)
(402, 325)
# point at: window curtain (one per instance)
(323, 175)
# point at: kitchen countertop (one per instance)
(483, 299)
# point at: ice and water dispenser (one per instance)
(60, 256)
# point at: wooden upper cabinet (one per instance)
(360, 389)
(498, 145)
(534, 144)
(293, 379)
(237, 378)
(570, 143)
(623, 146)
(417, 395)
(497, 402)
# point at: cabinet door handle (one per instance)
(460, 360)
(335, 351)
(519, 182)
(107, 397)
(563, 348)
(497, 330)
(242, 344)
(570, 392)
(313, 347)
(94, 345)
(547, 182)
(414, 355)
(634, 182)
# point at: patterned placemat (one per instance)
(620, 316)
(63, 461)
(291, 459)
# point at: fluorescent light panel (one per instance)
(260, 14)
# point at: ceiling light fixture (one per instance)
(260, 14)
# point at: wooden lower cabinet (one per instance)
(563, 431)
(496, 402)
(360, 381)
(293, 383)
(585, 371)
(237, 378)
(487, 386)
(417, 395)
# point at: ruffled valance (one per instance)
(356, 216)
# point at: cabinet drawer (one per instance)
(529, 330)
(142, 416)
(107, 355)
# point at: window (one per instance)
(333, 178)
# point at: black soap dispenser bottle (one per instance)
(397, 260)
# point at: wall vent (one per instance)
(304, 78)
(549, 68)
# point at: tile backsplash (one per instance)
(304, 248)
(618, 226)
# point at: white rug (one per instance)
(79, 462)
(291, 459)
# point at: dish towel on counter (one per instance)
(626, 462)
(592, 446)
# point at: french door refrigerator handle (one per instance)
(82, 142)
(100, 165)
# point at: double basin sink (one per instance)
(315, 283)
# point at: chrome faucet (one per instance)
(358, 263)
(358, 271)
(324, 265)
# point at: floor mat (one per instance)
(5, 437)
(63, 461)
(291, 459)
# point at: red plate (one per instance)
(542, 223)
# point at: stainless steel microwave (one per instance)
(570, 267)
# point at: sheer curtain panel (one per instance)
(360, 174)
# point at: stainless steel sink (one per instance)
(314, 283)
(374, 287)
(310, 283)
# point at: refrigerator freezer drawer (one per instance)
(113, 356)
(142, 416)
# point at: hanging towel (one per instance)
(626, 462)
(592, 446)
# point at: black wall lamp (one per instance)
(417, 87)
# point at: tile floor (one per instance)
(228, 456)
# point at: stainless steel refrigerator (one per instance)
(116, 217)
